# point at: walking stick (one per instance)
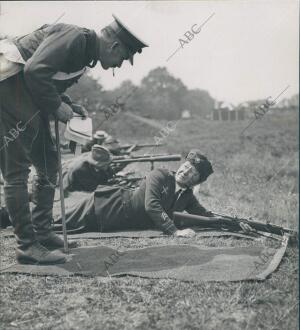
(61, 189)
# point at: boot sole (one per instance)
(52, 248)
(28, 261)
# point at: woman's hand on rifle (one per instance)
(246, 228)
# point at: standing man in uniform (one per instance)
(36, 69)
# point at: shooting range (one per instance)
(149, 165)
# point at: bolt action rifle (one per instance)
(145, 158)
(125, 179)
(230, 223)
(128, 148)
(124, 149)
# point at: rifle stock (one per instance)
(231, 223)
(125, 181)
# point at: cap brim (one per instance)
(129, 30)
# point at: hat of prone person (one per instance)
(127, 38)
(100, 134)
(201, 163)
(100, 155)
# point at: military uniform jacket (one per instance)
(151, 205)
(59, 48)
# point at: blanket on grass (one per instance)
(145, 234)
(181, 262)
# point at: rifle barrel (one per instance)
(143, 159)
(261, 226)
(139, 146)
(232, 223)
(137, 156)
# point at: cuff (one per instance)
(167, 225)
(66, 99)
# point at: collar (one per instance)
(177, 188)
(92, 48)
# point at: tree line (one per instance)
(159, 95)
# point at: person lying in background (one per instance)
(85, 173)
(150, 206)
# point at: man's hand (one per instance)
(185, 233)
(64, 113)
(79, 109)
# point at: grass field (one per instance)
(255, 175)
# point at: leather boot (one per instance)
(4, 218)
(37, 254)
(54, 241)
(17, 203)
(28, 250)
(42, 217)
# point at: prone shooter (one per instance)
(158, 202)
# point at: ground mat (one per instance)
(182, 262)
(153, 234)
(143, 234)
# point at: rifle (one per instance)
(124, 149)
(136, 147)
(146, 158)
(230, 223)
(121, 180)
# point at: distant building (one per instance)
(291, 103)
(241, 114)
(186, 114)
(224, 113)
(227, 105)
(232, 115)
(216, 114)
(227, 112)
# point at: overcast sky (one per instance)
(246, 50)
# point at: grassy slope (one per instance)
(239, 185)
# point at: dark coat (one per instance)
(51, 49)
(150, 206)
(115, 208)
